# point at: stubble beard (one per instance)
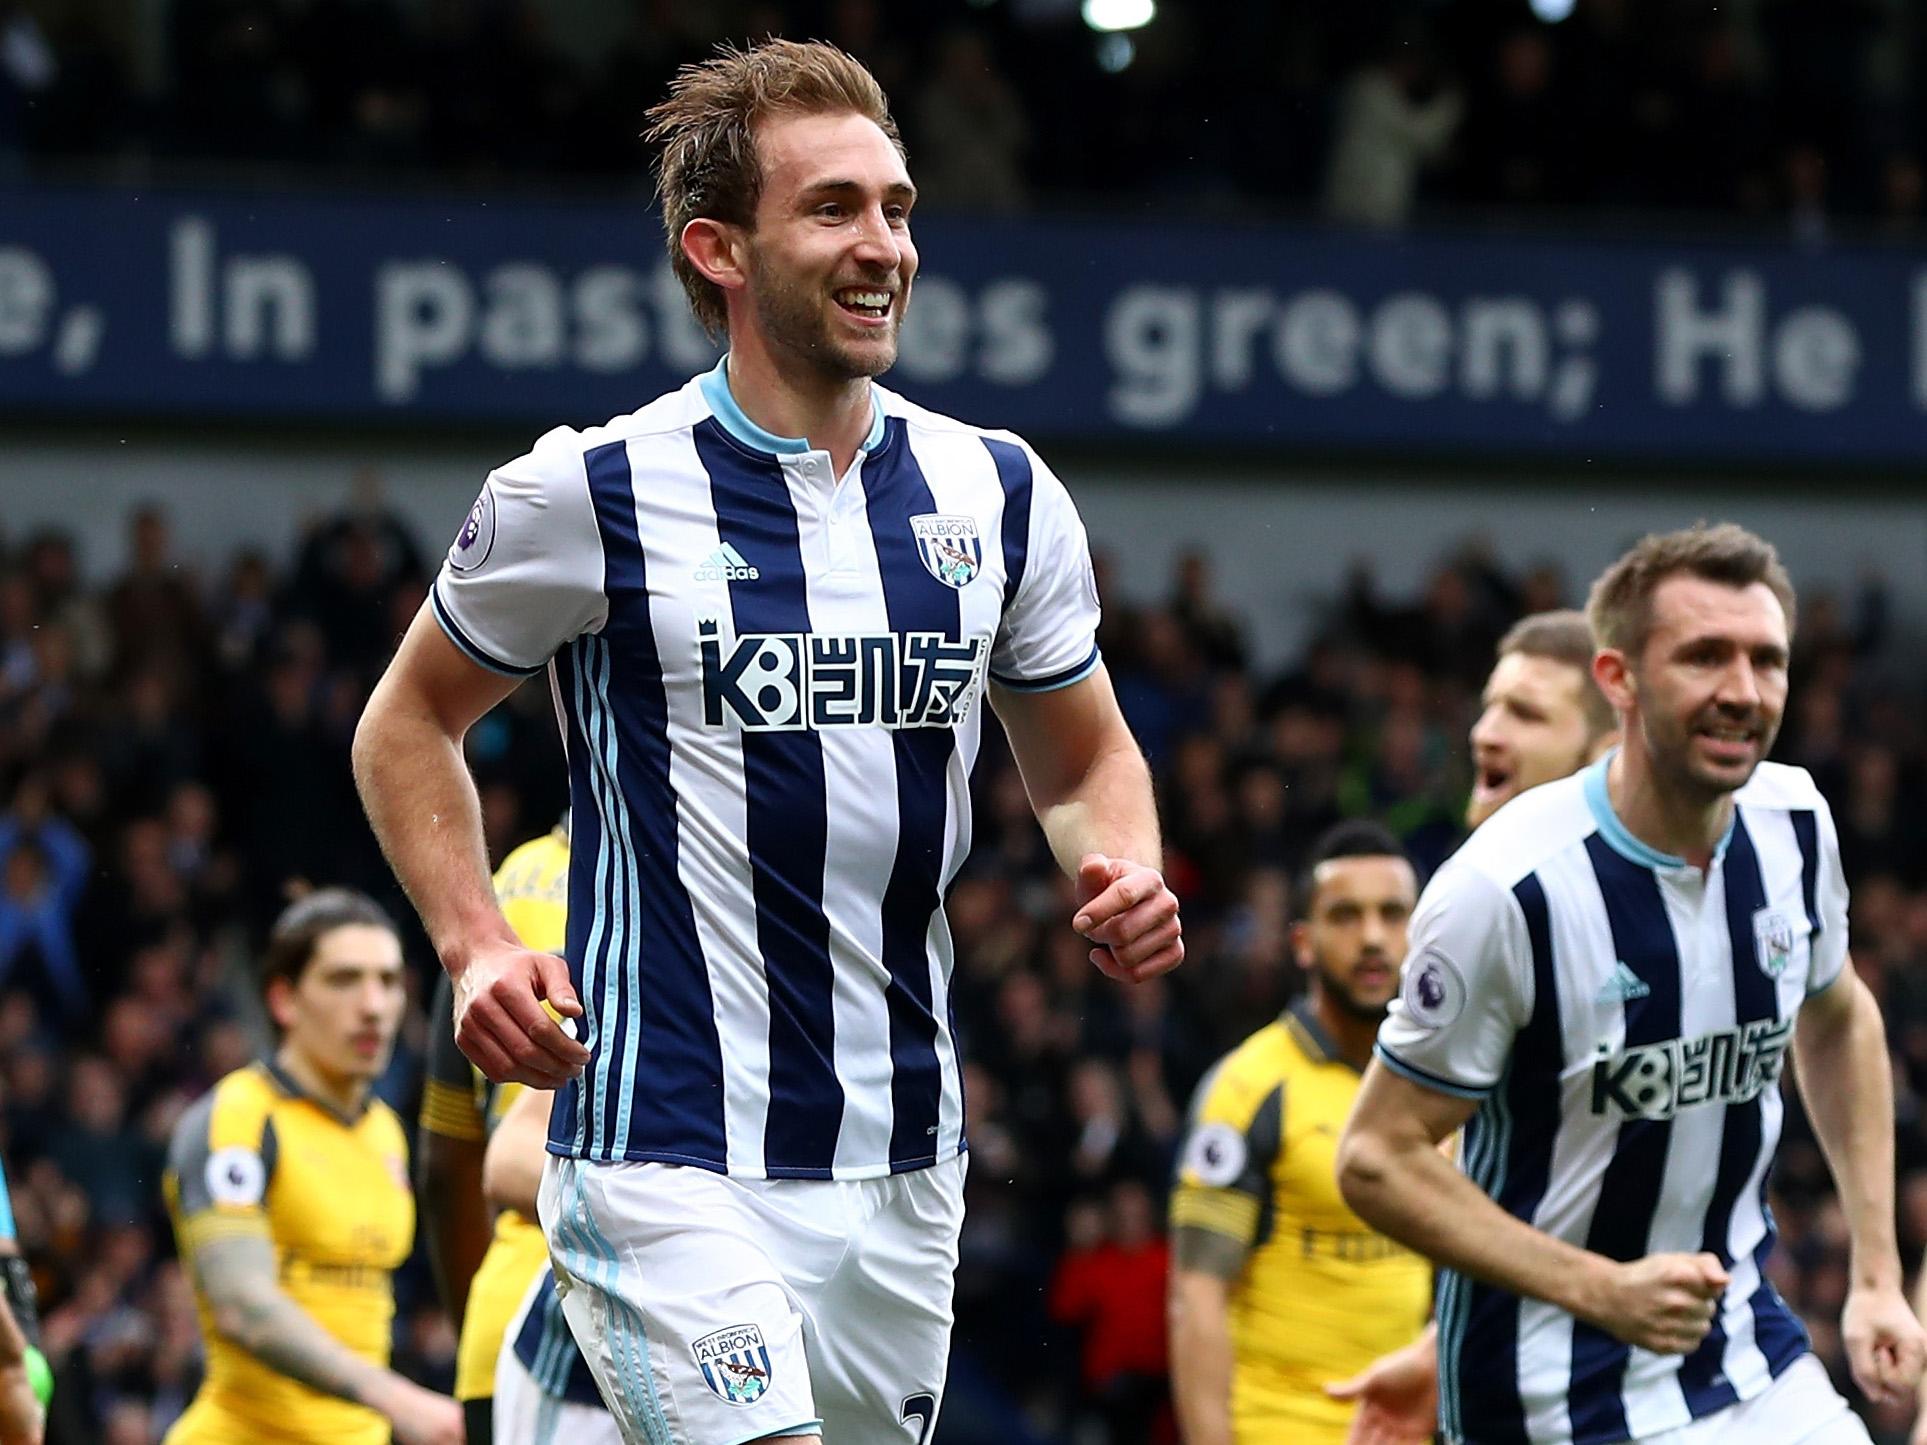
(1669, 751)
(793, 320)
(1348, 1002)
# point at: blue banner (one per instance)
(534, 313)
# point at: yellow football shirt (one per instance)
(532, 886)
(258, 1156)
(1321, 1295)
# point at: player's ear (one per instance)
(1301, 944)
(717, 250)
(279, 997)
(1613, 671)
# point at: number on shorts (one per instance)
(922, 1409)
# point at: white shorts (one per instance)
(526, 1414)
(1799, 1408)
(716, 1311)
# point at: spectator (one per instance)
(971, 128)
(44, 866)
(1110, 1285)
(1395, 118)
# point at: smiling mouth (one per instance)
(869, 302)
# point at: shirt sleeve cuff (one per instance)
(1051, 682)
(471, 649)
(1428, 1080)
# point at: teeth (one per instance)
(876, 300)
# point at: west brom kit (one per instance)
(1624, 1019)
(770, 681)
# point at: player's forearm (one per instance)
(1201, 1358)
(22, 1421)
(422, 805)
(1109, 809)
(449, 1185)
(1412, 1193)
(251, 1312)
(1847, 1085)
(512, 1174)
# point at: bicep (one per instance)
(1832, 1007)
(432, 678)
(1397, 1112)
(1057, 735)
(234, 1270)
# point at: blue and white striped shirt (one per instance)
(1623, 1019)
(770, 684)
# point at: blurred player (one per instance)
(1604, 982)
(772, 602)
(1542, 716)
(544, 1391)
(25, 1381)
(483, 1280)
(1276, 1286)
(288, 1185)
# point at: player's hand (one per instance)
(1127, 910)
(1664, 1303)
(422, 1417)
(1397, 1395)
(1886, 1347)
(500, 1023)
(22, 1420)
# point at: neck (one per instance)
(1353, 1035)
(344, 1093)
(830, 413)
(1683, 820)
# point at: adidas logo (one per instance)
(726, 564)
(1622, 986)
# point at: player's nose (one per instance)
(877, 243)
(1739, 685)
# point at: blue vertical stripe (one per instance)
(1629, 1193)
(567, 1119)
(548, 1350)
(895, 490)
(664, 1093)
(1776, 1329)
(1702, 1378)
(1806, 832)
(787, 821)
(1526, 1109)
(1013, 470)
(587, 1254)
(602, 917)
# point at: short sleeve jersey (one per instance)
(1623, 1019)
(770, 682)
(258, 1157)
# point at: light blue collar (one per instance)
(1620, 839)
(722, 402)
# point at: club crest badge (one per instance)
(477, 537)
(1772, 941)
(735, 1364)
(951, 550)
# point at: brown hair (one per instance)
(707, 130)
(1564, 636)
(305, 922)
(1621, 605)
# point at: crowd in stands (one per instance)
(173, 758)
(1799, 109)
